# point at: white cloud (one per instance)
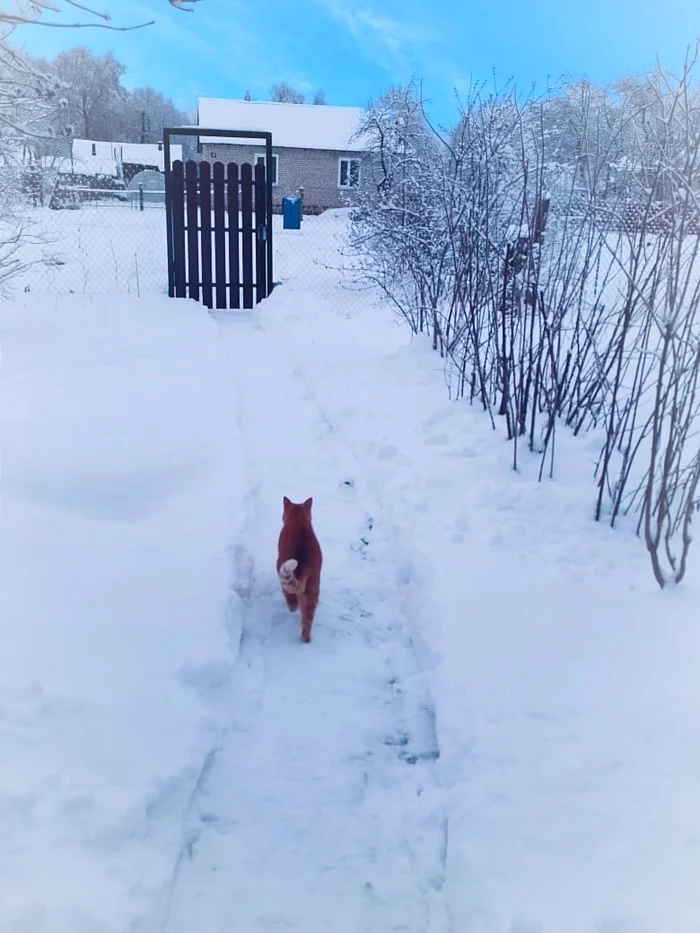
(248, 54)
(398, 41)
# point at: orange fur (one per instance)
(299, 560)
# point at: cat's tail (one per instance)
(289, 582)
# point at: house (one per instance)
(85, 171)
(314, 149)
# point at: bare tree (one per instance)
(93, 90)
(145, 113)
(284, 93)
(96, 104)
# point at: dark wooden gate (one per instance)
(219, 225)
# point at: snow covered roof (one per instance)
(90, 158)
(96, 157)
(298, 126)
(147, 153)
(92, 149)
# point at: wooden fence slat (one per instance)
(247, 232)
(177, 207)
(233, 239)
(205, 231)
(220, 234)
(192, 231)
(260, 234)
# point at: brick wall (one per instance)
(313, 169)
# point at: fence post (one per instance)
(140, 196)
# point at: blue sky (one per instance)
(355, 49)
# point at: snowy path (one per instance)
(320, 810)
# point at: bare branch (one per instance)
(20, 18)
(19, 21)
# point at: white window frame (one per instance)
(276, 163)
(349, 159)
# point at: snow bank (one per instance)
(120, 484)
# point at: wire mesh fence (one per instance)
(93, 246)
(118, 245)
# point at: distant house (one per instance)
(121, 160)
(314, 151)
(95, 170)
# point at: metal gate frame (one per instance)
(199, 131)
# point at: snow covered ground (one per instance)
(494, 729)
(120, 493)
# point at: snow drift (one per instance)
(119, 491)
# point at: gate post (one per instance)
(261, 233)
(168, 210)
(268, 173)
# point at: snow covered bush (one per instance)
(550, 247)
(30, 114)
(399, 225)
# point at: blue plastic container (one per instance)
(291, 213)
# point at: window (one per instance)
(348, 173)
(260, 160)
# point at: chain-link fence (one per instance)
(316, 258)
(117, 244)
(93, 245)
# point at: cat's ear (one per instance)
(286, 505)
(307, 505)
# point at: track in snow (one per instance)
(319, 811)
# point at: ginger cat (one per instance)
(299, 562)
